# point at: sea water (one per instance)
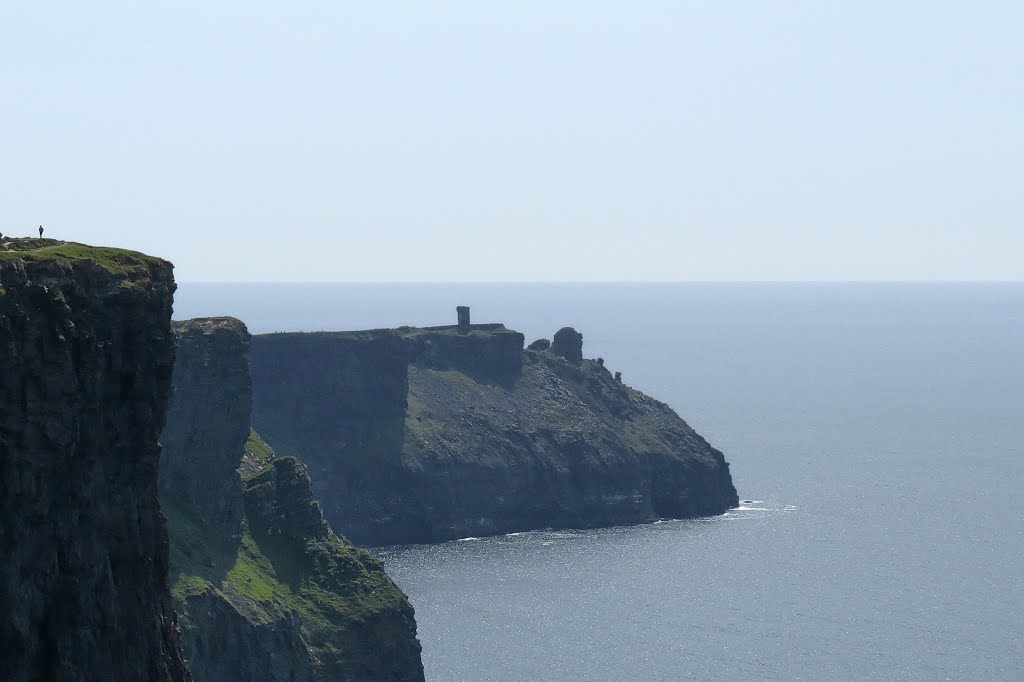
(875, 434)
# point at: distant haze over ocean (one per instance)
(876, 430)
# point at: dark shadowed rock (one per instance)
(568, 343)
(208, 422)
(487, 350)
(357, 624)
(280, 502)
(86, 352)
(284, 600)
(540, 344)
(228, 640)
(461, 451)
(345, 387)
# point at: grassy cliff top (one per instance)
(115, 261)
(370, 334)
(209, 325)
(488, 328)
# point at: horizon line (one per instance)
(619, 282)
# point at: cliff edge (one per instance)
(86, 353)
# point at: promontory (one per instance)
(432, 434)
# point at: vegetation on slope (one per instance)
(258, 454)
(339, 592)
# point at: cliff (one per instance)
(207, 422)
(485, 350)
(468, 434)
(86, 353)
(271, 594)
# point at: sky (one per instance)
(527, 141)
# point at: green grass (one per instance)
(259, 447)
(334, 586)
(258, 454)
(200, 556)
(115, 261)
(254, 576)
(331, 585)
(30, 244)
(191, 584)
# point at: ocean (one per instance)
(875, 433)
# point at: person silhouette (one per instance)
(40, 231)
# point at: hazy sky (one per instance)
(675, 140)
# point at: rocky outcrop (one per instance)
(291, 601)
(568, 344)
(357, 623)
(86, 352)
(208, 421)
(280, 503)
(485, 438)
(277, 597)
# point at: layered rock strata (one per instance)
(207, 422)
(423, 435)
(276, 596)
(86, 353)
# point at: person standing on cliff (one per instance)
(40, 231)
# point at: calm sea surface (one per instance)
(876, 432)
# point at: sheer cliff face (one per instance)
(265, 590)
(486, 438)
(86, 353)
(208, 422)
(344, 389)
